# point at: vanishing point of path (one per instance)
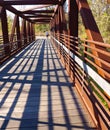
(37, 94)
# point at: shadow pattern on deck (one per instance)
(37, 94)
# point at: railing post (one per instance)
(84, 56)
(12, 35)
(13, 30)
(28, 26)
(23, 32)
(30, 32)
(52, 29)
(73, 28)
(27, 32)
(57, 30)
(5, 30)
(33, 31)
(18, 33)
(63, 28)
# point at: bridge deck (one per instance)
(37, 93)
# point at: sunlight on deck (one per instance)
(37, 93)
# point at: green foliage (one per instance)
(81, 31)
(101, 12)
(10, 23)
(41, 29)
(97, 93)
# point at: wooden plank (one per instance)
(41, 97)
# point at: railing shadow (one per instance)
(36, 92)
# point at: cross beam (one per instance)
(28, 2)
(38, 11)
(38, 15)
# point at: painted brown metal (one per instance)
(34, 36)
(37, 11)
(98, 111)
(5, 30)
(72, 30)
(17, 12)
(13, 29)
(93, 32)
(60, 21)
(38, 15)
(23, 32)
(108, 1)
(59, 28)
(36, 7)
(64, 31)
(73, 18)
(40, 18)
(28, 31)
(18, 32)
(32, 32)
(63, 20)
(28, 2)
(55, 23)
(58, 25)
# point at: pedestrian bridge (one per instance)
(37, 93)
(60, 82)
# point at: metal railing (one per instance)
(14, 46)
(80, 62)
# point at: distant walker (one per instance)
(47, 34)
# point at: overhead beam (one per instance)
(62, 1)
(13, 10)
(56, 8)
(37, 7)
(37, 11)
(28, 2)
(73, 18)
(41, 20)
(38, 15)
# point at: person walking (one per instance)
(47, 34)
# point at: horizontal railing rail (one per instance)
(80, 62)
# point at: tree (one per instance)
(101, 12)
(41, 28)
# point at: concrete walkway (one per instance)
(37, 94)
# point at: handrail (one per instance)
(79, 61)
(13, 46)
